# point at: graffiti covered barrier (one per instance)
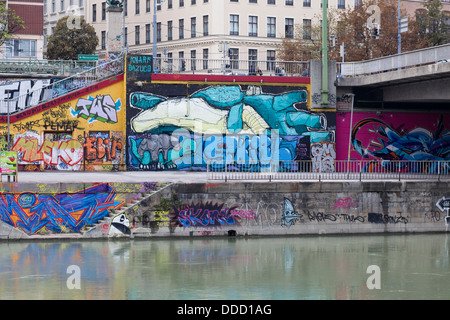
(242, 124)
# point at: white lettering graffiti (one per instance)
(102, 108)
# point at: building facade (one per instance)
(28, 42)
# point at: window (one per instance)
(289, 28)
(103, 41)
(126, 36)
(182, 62)
(307, 29)
(270, 60)
(169, 4)
(147, 33)
(271, 27)
(252, 57)
(270, 1)
(80, 3)
(137, 7)
(181, 29)
(234, 24)
(193, 27)
(62, 5)
(253, 1)
(205, 25)
(341, 4)
(20, 48)
(307, 3)
(181, 3)
(289, 2)
(234, 58)
(205, 59)
(94, 12)
(53, 5)
(193, 60)
(158, 32)
(103, 10)
(169, 30)
(137, 35)
(253, 26)
(147, 5)
(193, 2)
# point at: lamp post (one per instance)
(325, 100)
(350, 132)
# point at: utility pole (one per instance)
(324, 92)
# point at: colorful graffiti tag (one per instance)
(222, 123)
(57, 213)
(396, 136)
(205, 215)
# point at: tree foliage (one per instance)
(432, 23)
(68, 40)
(354, 28)
(10, 23)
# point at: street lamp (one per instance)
(350, 131)
(155, 49)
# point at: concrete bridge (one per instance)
(411, 80)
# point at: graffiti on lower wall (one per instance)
(31, 212)
(235, 124)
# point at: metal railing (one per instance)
(59, 88)
(394, 62)
(37, 66)
(330, 170)
(231, 67)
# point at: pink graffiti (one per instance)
(244, 214)
(345, 204)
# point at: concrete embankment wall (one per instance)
(310, 208)
(107, 210)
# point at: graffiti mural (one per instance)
(396, 136)
(236, 124)
(101, 108)
(63, 212)
(289, 216)
(119, 225)
(205, 215)
(83, 130)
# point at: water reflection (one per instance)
(412, 267)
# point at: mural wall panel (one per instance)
(394, 136)
(84, 130)
(184, 126)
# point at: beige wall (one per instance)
(218, 12)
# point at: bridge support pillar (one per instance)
(316, 84)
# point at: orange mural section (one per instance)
(83, 132)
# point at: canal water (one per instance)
(385, 267)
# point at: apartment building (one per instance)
(57, 9)
(200, 29)
(28, 42)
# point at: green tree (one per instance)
(432, 23)
(69, 39)
(10, 23)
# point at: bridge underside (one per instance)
(414, 89)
